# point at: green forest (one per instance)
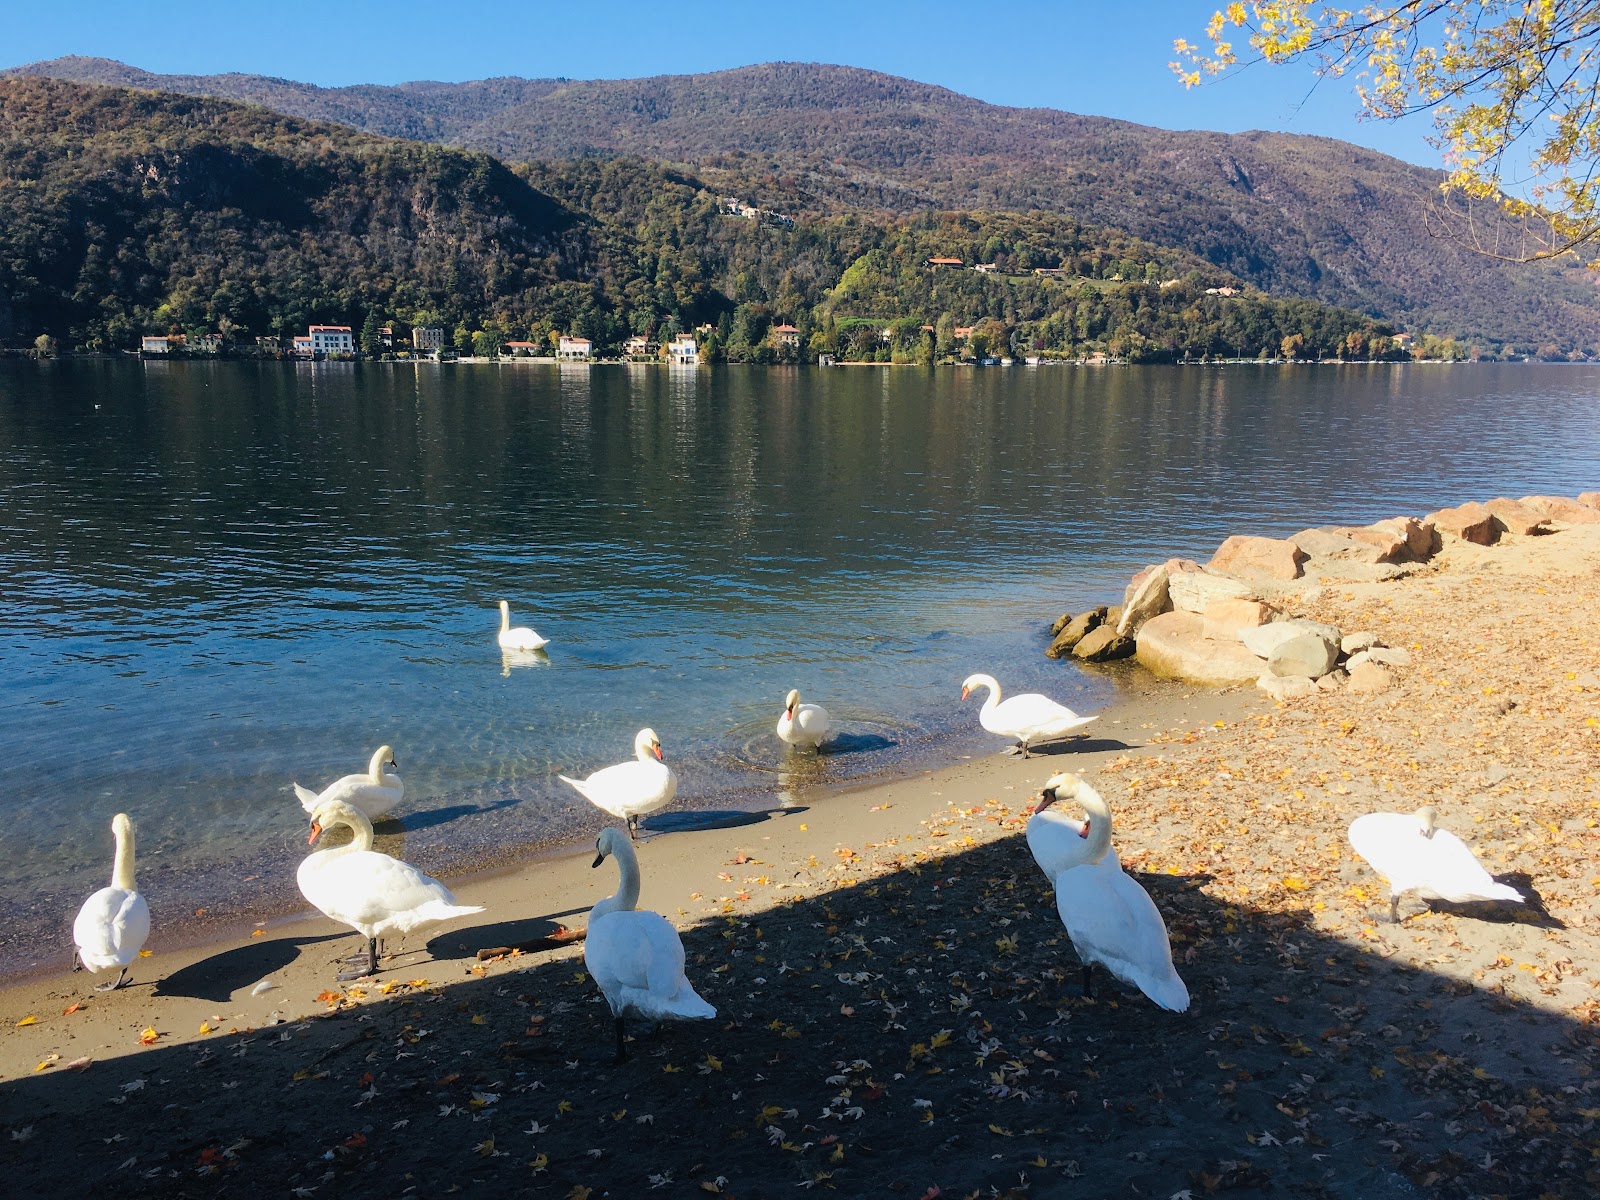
(125, 213)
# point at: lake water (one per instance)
(220, 578)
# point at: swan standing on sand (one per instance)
(1416, 856)
(113, 924)
(1109, 917)
(635, 957)
(374, 794)
(803, 724)
(631, 790)
(368, 891)
(1025, 719)
(520, 638)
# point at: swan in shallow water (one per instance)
(1024, 719)
(1109, 917)
(1416, 856)
(113, 924)
(372, 893)
(803, 724)
(520, 638)
(635, 957)
(631, 790)
(374, 794)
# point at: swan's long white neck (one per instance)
(642, 751)
(122, 865)
(989, 705)
(505, 617)
(375, 768)
(360, 828)
(626, 898)
(1099, 815)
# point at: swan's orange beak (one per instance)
(965, 692)
(1084, 832)
(656, 748)
(789, 712)
(1046, 798)
(316, 832)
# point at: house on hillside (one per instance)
(522, 349)
(785, 335)
(574, 349)
(332, 339)
(637, 346)
(935, 263)
(427, 337)
(986, 268)
(206, 343)
(154, 344)
(386, 337)
(683, 351)
(1222, 291)
(302, 347)
(962, 332)
(1050, 272)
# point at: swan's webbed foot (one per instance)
(120, 981)
(1024, 748)
(622, 1045)
(366, 964)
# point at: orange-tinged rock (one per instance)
(1275, 558)
(1516, 517)
(1471, 522)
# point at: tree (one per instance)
(1505, 80)
(44, 346)
(371, 339)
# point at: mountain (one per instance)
(1294, 215)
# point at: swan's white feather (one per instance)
(630, 789)
(1027, 718)
(810, 725)
(1441, 867)
(111, 928)
(1112, 921)
(636, 959)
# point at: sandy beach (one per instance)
(899, 1010)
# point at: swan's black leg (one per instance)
(119, 981)
(362, 971)
(77, 963)
(1394, 910)
(1088, 982)
(1024, 749)
(372, 956)
(622, 1043)
(633, 829)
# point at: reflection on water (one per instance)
(220, 577)
(516, 659)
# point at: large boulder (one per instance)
(1144, 601)
(1560, 508)
(1513, 516)
(1370, 678)
(1286, 687)
(1355, 643)
(1335, 542)
(1102, 644)
(1307, 653)
(1263, 641)
(1274, 558)
(1471, 522)
(1196, 591)
(1592, 499)
(1399, 539)
(1225, 619)
(1173, 645)
(1074, 630)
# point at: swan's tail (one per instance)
(308, 798)
(1501, 891)
(687, 1005)
(1169, 993)
(438, 910)
(578, 785)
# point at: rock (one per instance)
(1419, 537)
(1224, 619)
(1275, 558)
(1286, 687)
(1060, 623)
(1072, 633)
(1336, 543)
(1355, 643)
(1370, 678)
(1515, 517)
(1307, 653)
(1196, 591)
(1592, 499)
(1144, 602)
(1559, 508)
(1102, 644)
(1332, 681)
(1262, 641)
(1471, 522)
(1394, 656)
(1173, 646)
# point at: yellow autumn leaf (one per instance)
(477, 1018)
(44, 1066)
(205, 1028)
(30, 1020)
(1295, 884)
(1000, 1131)
(149, 1036)
(145, 953)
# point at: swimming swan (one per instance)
(803, 724)
(1025, 719)
(635, 957)
(630, 790)
(1109, 917)
(1414, 855)
(374, 794)
(520, 638)
(113, 924)
(368, 891)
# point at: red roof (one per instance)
(523, 345)
(784, 329)
(945, 262)
(330, 329)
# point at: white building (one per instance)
(684, 351)
(332, 339)
(571, 349)
(427, 338)
(302, 347)
(154, 345)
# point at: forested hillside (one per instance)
(1293, 215)
(125, 212)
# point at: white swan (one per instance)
(374, 794)
(630, 790)
(803, 724)
(1109, 917)
(635, 957)
(1415, 856)
(1025, 719)
(520, 638)
(368, 891)
(113, 924)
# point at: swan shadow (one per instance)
(855, 743)
(217, 978)
(1171, 884)
(687, 822)
(516, 933)
(430, 818)
(1531, 911)
(1080, 745)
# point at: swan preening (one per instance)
(1024, 719)
(520, 638)
(803, 724)
(374, 794)
(1109, 917)
(634, 789)
(113, 924)
(368, 891)
(636, 958)
(1416, 856)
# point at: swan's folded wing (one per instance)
(372, 888)
(1453, 872)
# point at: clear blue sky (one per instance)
(1089, 56)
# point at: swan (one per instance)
(635, 957)
(803, 724)
(1109, 917)
(1025, 719)
(630, 790)
(368, 891)
(375, 794)
(520, 638)
(113, 924)
(1414, 855)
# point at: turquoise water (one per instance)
(220, 578)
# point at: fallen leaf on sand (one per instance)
(75, 1007)
(27, 1021)
(149, 1036)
